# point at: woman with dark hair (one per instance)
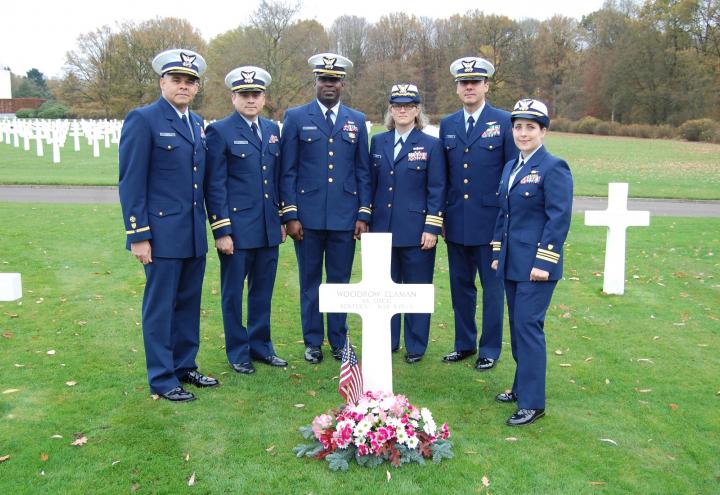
(535, 193)
(408, 177)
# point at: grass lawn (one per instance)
(633, 381)
(654, 168)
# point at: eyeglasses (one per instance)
(403, 106)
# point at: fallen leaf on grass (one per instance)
(299, 406)
(643, 390)
(40, 301)
(11, 315)
(187, 456)
(565, 365)
(79, 441)
(56, 436)
(270, 449)
(470, 452)
(609, 440)
(44, 457)
(4, 458)
(7, 335)
(673, 407)
(566, 315)
(135, 487)
(645, 360)
(588, 359)
(11, 391)
(51, 352)
(597, 483)
(71, 383)
(114, 462)
(511, 439)
(311, 393)
(485, 481)
(388, 475)
(155, 397)
(607, 382)
(191, 480)
(558, 352)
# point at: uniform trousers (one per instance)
(527, 304)
(337, 249)
(464, 263)
(171, 319)
(259, 266)
(412, 265)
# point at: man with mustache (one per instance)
(162, 182)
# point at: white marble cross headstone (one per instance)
(10, 287)
(617, 218)
(376, 299)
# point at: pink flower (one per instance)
(320, 423)
(363, 449)
(444, 431)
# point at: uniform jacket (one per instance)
(162, 172)
(325, 180)
(242, 197)
(535, 217)
(409, 191)
(474, 168)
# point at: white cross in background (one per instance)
(10, 287)
(376, 299)
(617, 218)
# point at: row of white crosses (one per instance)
(376, 298)
(55, 133)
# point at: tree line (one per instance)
(653, 62)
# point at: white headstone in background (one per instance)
(617, 218)
(376, 299)
(10, 287)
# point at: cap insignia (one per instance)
(187, 60)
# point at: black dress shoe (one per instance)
(337, 353)
(178, 394)
(506, 397)
(524, 417)
(274, 361)
(413, 358)
(196, 378)
(313, 354)
(244, 368)
(484, 364)
(456, 356)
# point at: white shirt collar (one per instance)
(249, 122)
(475, 114)
(527, 158)
(178, 112)
(324, 109)
(403, 136)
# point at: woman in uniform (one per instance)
(535, 195)
(408, 177)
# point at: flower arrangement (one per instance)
(380, 427)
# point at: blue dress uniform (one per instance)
(325, 184)
(244, 173)
(408, 199)
(161, 187)
(475, 163)
(530, 232)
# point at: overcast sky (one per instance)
(38, 34)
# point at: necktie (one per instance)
(514, 172)
(398, 147)
(256, 131)
(328, 119)
(471, 125)
(185, 121)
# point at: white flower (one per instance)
(401, 435)
(362, 428)
(426, 415)
(429, 427)
(413, 441)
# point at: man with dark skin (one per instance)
(325, 195)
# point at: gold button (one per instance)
(467, 149)
(242, 155)
(331, 140)
(234, 209)
(264, 167)
(466, 196)
(490, 147)
(160, 213)
(465, 165)
(331, 166)
(266, 196)
(330, 179)
(389, 205)
(465, 181)
(390, 188)
(264, 181)
(195, 186)
(331, 153)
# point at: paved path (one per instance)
(109, 195)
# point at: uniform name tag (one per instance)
(376, 155)
(450, 136)
(309, 128)
(167, 134)
(240, 142)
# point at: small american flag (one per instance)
(351, 383)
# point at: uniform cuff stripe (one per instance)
(214, 224)
(138, 231)
(218, 225)
(545, 258)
